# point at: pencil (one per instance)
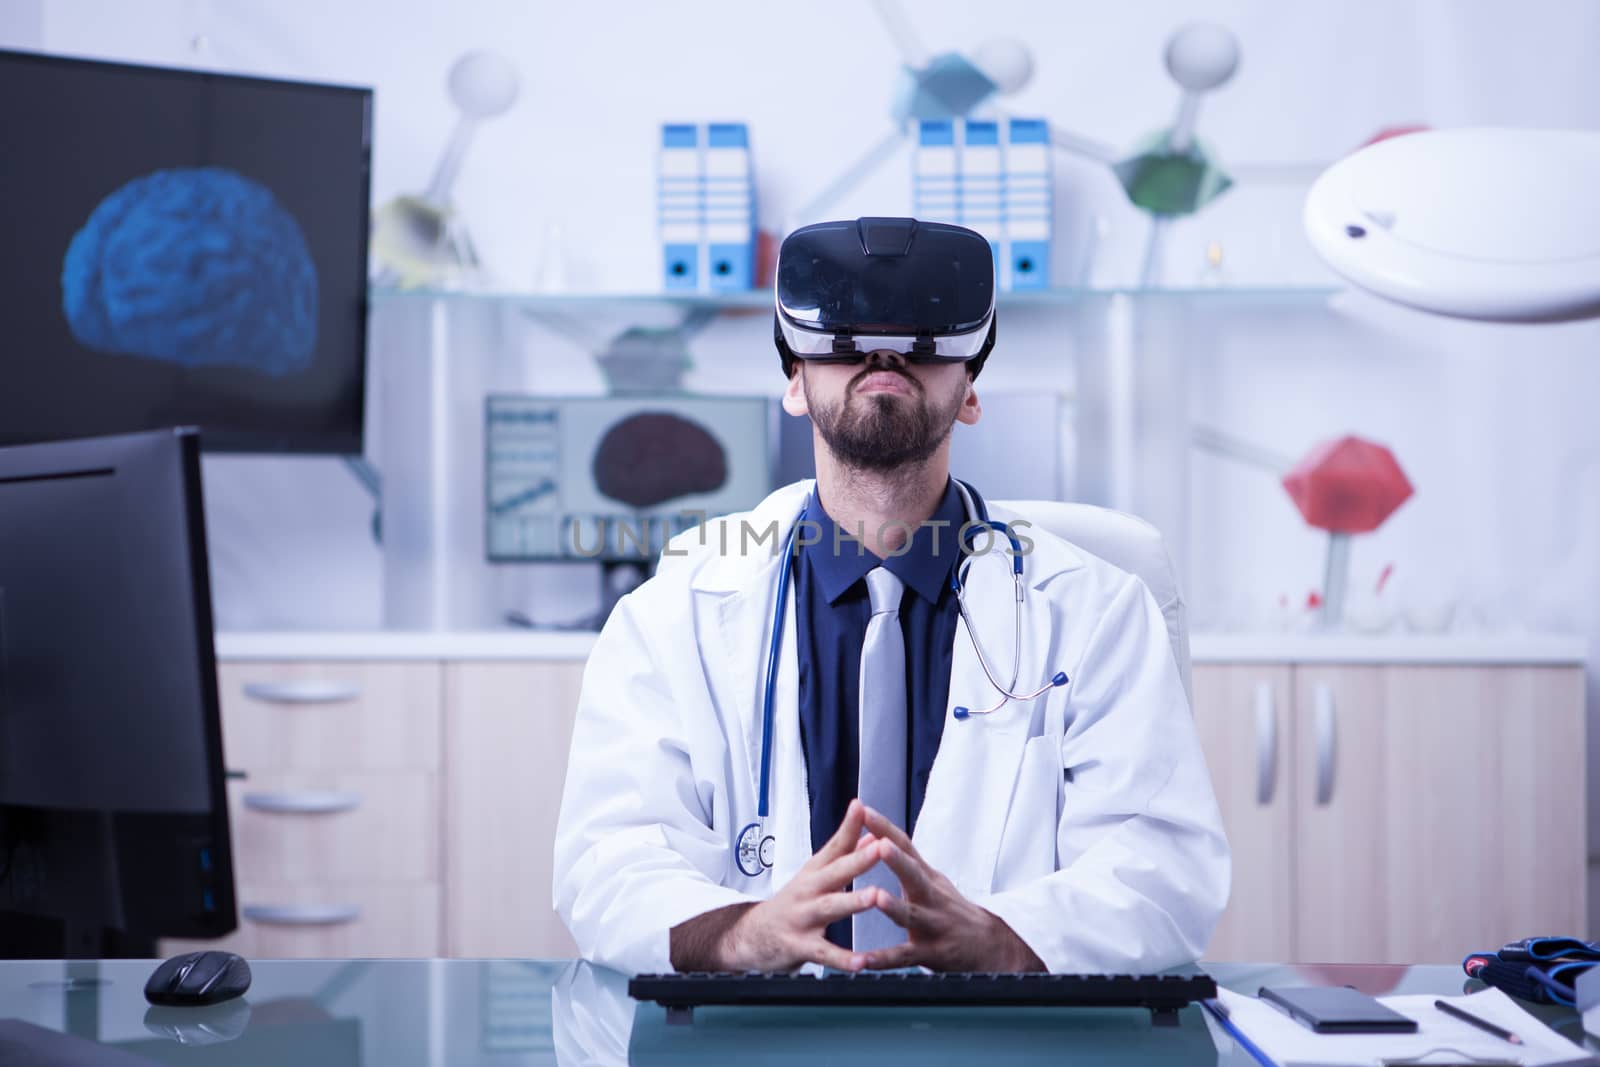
(1482, 1024)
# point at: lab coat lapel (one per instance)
(969, 788)
(744, 633)
(744, 629)
(791, 797)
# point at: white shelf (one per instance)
(406, 645)
(1488, 649)
(1460, 649)
(761, 299)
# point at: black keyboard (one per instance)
(1162, 994)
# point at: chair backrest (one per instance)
(1125, 541)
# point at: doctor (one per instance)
(870, 724)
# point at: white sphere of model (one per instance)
(484, 84)
(1202, 56)
(1005, 61)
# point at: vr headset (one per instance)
(923, 289)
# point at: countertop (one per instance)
(516, 1013)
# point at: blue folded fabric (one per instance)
(1542, 970)
(1551, 948)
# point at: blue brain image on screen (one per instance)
(201, 267)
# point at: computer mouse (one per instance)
(197, 978)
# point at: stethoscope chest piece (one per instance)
(754, 851)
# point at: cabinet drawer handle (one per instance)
(302, 914)
(303, 691)
(1266, 743)
(1327, 727)
(308, 802)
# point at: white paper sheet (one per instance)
(1448, 1039)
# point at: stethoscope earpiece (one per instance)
(1007, 694)
(962, 713)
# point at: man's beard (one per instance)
(885, 431)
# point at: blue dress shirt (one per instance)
(831, 613)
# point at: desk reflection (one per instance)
(591, 1016)
(533, 1013)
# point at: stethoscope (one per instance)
(754, 848)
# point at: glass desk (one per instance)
(434, 1013)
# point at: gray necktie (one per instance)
(881, 780)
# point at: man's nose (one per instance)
(887, 358)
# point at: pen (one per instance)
(1220, 1010)
(1482, 1024)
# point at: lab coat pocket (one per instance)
(1028, 845)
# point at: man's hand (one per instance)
(788, 929)
(944, 930)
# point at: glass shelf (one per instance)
(761, 299)
(1124, 355)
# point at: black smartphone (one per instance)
(1337, 1010)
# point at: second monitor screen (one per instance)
(612, 478)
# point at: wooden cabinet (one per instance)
(285, 920)
(1418, 812)
(1339, 752)
(1377, 812)
(333, 714)
(1244, 716)
(336, 820)
(396, 808)
(506, 744)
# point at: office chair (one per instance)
(1125, 541)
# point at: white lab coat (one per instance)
(1084, 819)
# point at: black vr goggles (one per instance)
(923, 289)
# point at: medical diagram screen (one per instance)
(613, 478)
(182, 248)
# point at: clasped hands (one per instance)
(944, 930)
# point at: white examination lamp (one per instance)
(1495, 224)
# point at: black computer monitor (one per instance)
(113, 814)
(182, 248)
